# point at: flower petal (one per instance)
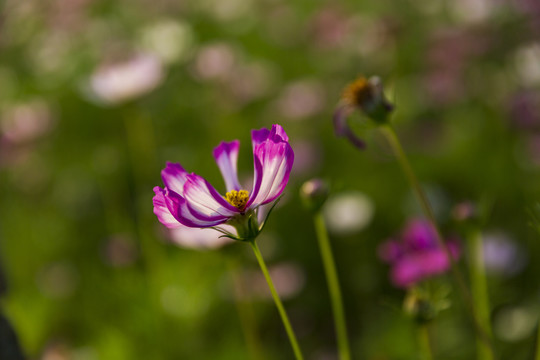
(162, 211)
(391, 251)
(273, 160)
(419, 234)
(187, 218)
(418, 266)
(179, 209)
(226, 155)
(174, 177)
(204, 202)
(276, 134)
(342, 129)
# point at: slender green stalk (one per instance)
(277, 300)
(333, 287)
(479, 290)
(395, 144)
(245, 313)
(424, 342)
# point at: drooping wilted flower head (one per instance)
(189, 200)
(367, 96)
(314, 193)
(416, 254)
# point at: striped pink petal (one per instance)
(162, 211)
(226, 156)
(204, 202)
(174, 177)
(275, 134)
(273, 160)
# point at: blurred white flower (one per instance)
(515, 323)
(471, 11)
(119, 82)
(170, 40)
(301, 99)
(200, 238)
(288, 278)
(348, 212)
(26, 121)
(229, 10)
(527, 63)
(59, 350)
(215, 61)
(51, 53)
(250, 81)
(502, 254)
(56, 351)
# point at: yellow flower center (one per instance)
(358, 92)
(238, 199)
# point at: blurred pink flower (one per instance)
(120, 251)
(127, 80)
(416, 255)
(329, 28)
(301, 99)
(524, 110)
(26, 122)
(289, 279)
(502, 254)
(199, 239)
(215, 61)
(448, 56)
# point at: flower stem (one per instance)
(333, 287)
(277, 300)
(395, 144)
(479, 290)
(424, 342)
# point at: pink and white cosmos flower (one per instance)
(189, 200)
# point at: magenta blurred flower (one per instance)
(416, 255)
(189, 200)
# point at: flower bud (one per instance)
(425, 304)
(314, 193)
(465, 211)
(367, 95)
(419, 307)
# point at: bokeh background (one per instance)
(95, 97)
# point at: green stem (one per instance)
(395, 144)
(479, 289)
(333, 287)
(424, 342)
(277, 300)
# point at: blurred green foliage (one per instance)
(95, 97)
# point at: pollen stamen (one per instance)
(358, 92)
(238, 199)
